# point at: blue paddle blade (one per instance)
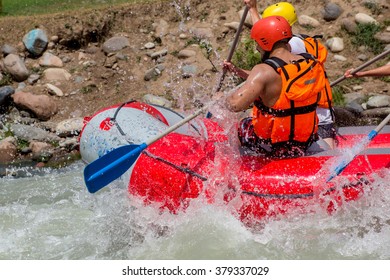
(338, 170)
(111, 166)
(345, 163)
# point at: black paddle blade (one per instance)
(111, 166)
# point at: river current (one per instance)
(53, 216)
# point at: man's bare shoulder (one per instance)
(263, 70)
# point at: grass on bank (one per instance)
(365, 36)
(36, 7)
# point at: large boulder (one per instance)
(15, 66)
(43, 106)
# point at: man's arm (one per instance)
(236, 70)
(253, 88)
(253, 10)
(376, 72)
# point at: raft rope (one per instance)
(359, 181)
(113, 119)
(279, 196)
(182, 169)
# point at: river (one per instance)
(52, 216)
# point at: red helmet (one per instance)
(267, 31)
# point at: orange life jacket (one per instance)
(320, 52)
(292, 119)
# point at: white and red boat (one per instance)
(197, 160)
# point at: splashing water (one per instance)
(182, 10)
(54, 217)
(335, 165)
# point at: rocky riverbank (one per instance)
(68, 66)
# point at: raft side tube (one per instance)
(101, 135)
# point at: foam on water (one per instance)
(54, 217)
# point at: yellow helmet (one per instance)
(283, 9)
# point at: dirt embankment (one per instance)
(198, 25)
(84, 28)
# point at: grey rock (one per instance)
(115, 44)
(158, 100)
(154, 72)
(30, 133)
(33, 78)
(364, 18)
(378, 101)
(8, 49)
(70, 127)
(349, 25)
(377, 112)
(354, 107)
(331, 11)
(188, 71)
(5, 93)
(344, 117)
(383, 37)
(16, 67)
(158, 54)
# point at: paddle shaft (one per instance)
(233, 47)
(175, 126)
(231, 51)
(375, 132)
(370, 136)
(361, 67)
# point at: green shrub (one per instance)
(6, 80)
(205, 46)
(246, 56)
(338, 95)
(385, 79)
(6, 132)
(373, 7)
(365, 37)
(21, 144)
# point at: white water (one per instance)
(54, 217)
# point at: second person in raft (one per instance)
(285, 90)
(299, 43)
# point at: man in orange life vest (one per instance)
(299, 44)
(284, 89)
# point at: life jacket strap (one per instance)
(285, 112)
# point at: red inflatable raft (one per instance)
(197, 161)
